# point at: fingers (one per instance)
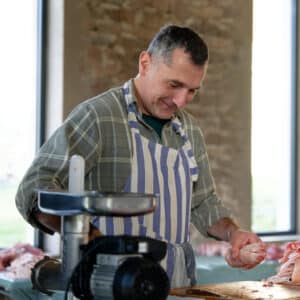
(245, 256)
(240, 262)
(241, 239)
(238, 240)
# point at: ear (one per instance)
(144, 62)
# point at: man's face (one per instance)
(167, 87)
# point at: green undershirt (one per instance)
(155, 123)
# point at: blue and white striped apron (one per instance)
(170, 174)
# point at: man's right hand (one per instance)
(94, 232)
(53, 223)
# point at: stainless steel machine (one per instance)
(108, 267)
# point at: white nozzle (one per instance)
(76, 174)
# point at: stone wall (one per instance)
(103, 40)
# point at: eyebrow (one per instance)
(180, 83)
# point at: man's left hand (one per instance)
(247, 249)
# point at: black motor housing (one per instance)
(121, 267)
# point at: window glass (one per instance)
(18, 111)
(272, 106)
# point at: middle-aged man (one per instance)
(138, 138)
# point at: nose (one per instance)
(181, 98)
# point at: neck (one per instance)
(137, 87)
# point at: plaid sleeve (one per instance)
(49, 170)
(207, 208)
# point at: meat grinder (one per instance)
(109, 267)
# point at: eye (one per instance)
(193, 91)
(174, 84)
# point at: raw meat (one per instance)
(289, 270)
(17, 262)
(249, 255)
(274, 252)
(212, 248)
(217, 248)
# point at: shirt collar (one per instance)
(128, 89)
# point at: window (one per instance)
(18, 114)
(273, 122)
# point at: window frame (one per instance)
(295, 113)
(41, 77)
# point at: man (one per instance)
(138, 138)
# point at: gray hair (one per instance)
(171, 37)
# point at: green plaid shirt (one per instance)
(98, 130)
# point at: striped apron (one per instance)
(168, 173)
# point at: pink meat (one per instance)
(289, 248)
(21, 267)
(289, 270)
(212, 248)
(250, 254)
(16, 262)
(220, 248)
(274, 252)
(6, 257)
